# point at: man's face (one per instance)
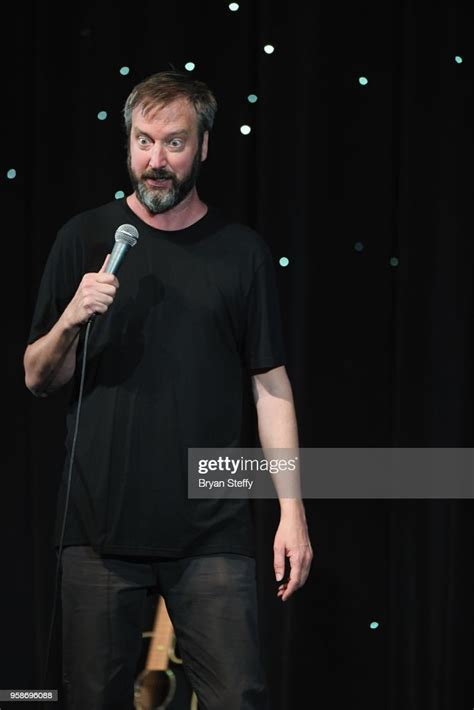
(164, 155)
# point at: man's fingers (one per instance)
(299, 570)
(279, 563)
(295, 575)
(299, 558)
(104, 265)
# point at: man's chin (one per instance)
(153, 205)
(153, 208)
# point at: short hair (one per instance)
(166, 86)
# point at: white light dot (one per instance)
(119, 194)
(245, 130)
(358, 246)
(458, 59)
(233, 6)
(363, 80)
(394, 261)
(124, 71)
(284, 261)
(269, 49)
(252, 99)
(102, 115)
(374, 625)
(189, 66)
(11, 174)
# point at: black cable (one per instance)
(66, 504)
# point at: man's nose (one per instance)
(157, 157)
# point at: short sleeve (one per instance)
(59, 281)
(263, 341)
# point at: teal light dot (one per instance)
(189, 66)
(11, 174)
(458, 59)
(363, 80)
(102, 115)
(358, 246)
(252, 99)
(233, 6)
(269, 49)
(124, 71)
(374, 625)
(119, 194)
(394, 261)
(245, 130)
(284, 261)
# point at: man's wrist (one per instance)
(292, 506)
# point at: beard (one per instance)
(160, 199)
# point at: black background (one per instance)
(379, 354)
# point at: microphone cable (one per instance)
(66, 504)
(126, 236)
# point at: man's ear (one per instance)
(205, 143)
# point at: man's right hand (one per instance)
(95, 294)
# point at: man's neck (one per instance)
(189, 211)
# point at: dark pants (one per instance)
(211, 601)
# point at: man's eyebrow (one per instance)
(182, 132)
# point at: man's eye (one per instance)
(142, 140)
(176, 143)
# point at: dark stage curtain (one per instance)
(367, 190)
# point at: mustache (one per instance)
(159, 174)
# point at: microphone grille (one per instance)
(127, 234)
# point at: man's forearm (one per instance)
(50, 361)
(278, 432)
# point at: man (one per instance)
(166, 363)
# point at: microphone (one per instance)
(126, 236)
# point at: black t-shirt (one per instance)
(167, 368)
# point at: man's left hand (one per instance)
(292, 541)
